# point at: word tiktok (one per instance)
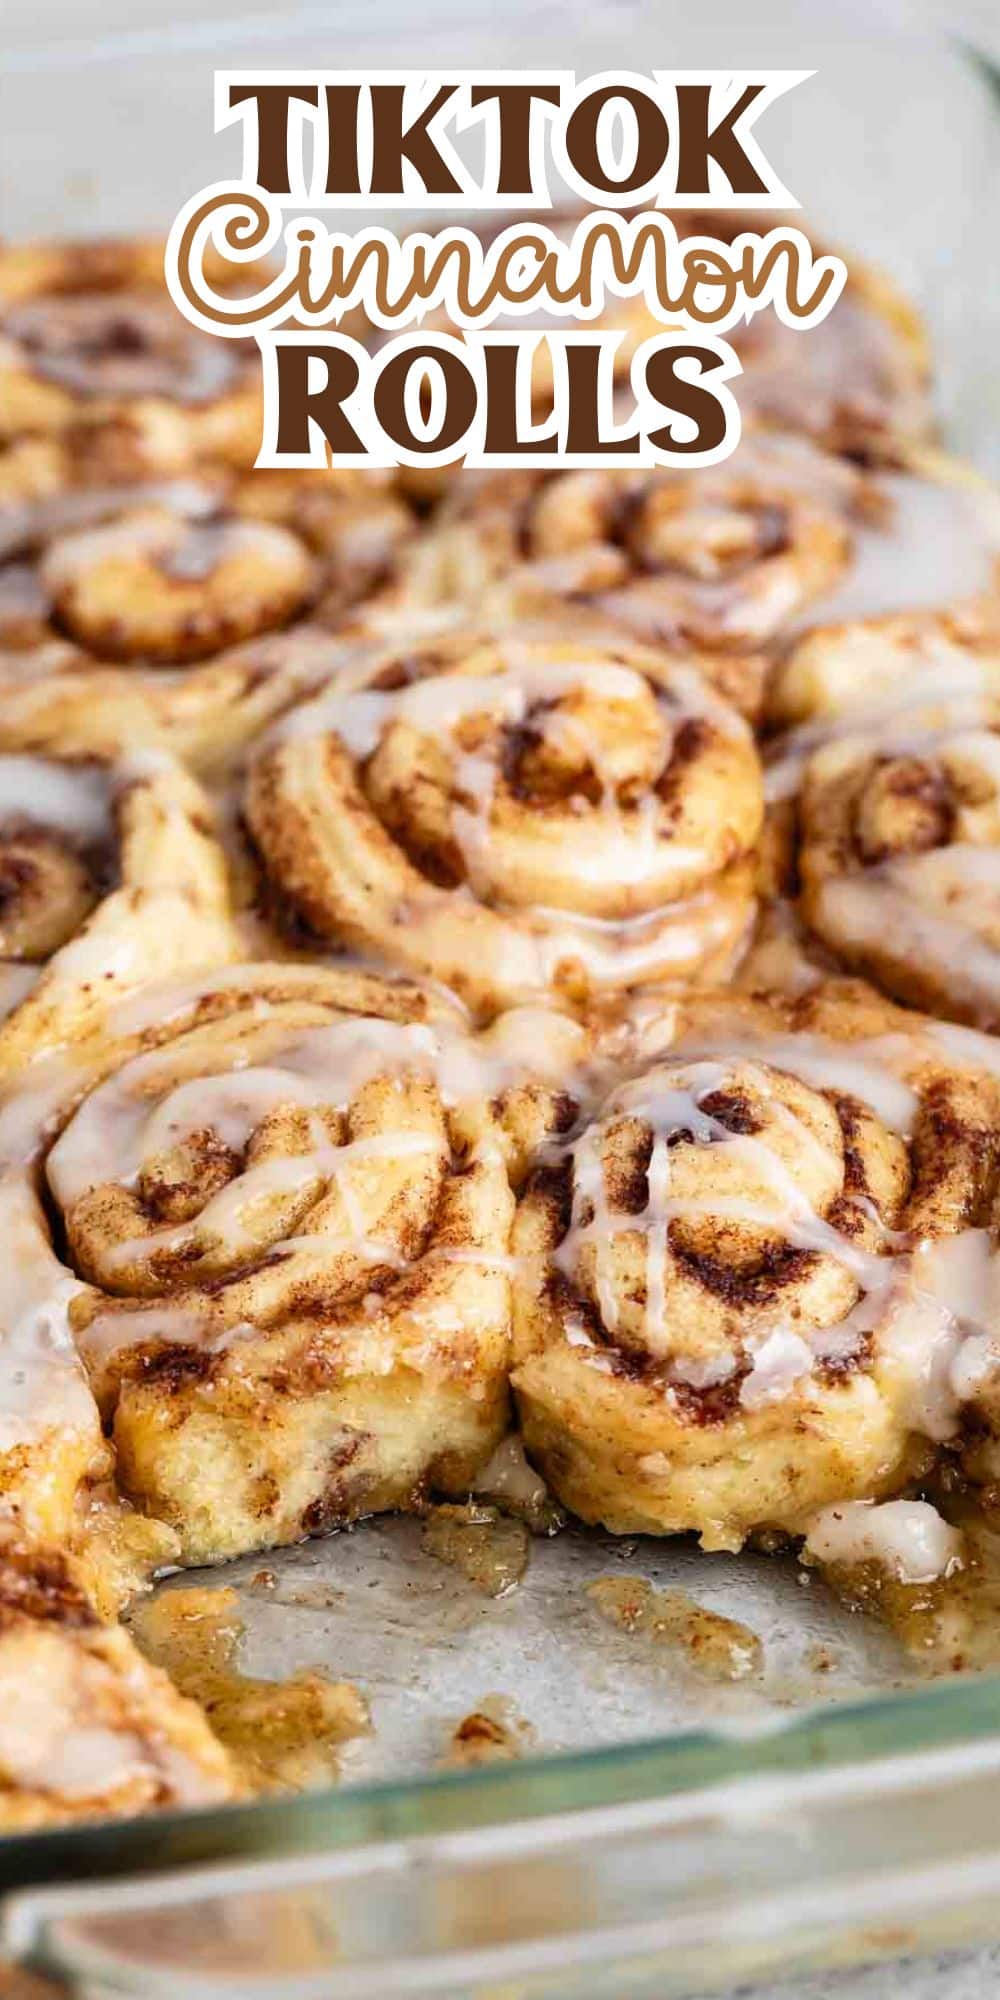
(511, 305)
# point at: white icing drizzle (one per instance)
(73, 799)
(934, 1306)
(509, 1479)
(438, 703)
(188, 553)
(38, 521)
(945, 698)
(152, 1103)
(939, 544)
(669, 1101)
(21, 593)
(941, 1341)
(672, 941)
(620, 849)
(908, 1538)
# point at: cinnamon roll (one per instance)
(82, 959)
(110, 876)
(891, 812)
(735, 1297)
(87, 1727)
(188, 611)
(739, 558)
(286, 1221)
(516, 817)
(91, 342)
(722, 558)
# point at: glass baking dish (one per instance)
(661, 1830)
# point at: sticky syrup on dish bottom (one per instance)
(720, 1648)
(283, 1735)
(488, 1548)
(951, 1625)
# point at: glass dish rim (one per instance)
(836, 1736)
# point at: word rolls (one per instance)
(432, 346)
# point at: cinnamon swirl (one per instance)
(91, 342)
(287, 1226)
(739, 558)
(892, 815)
(188, 611)
(735, 1275)
(110, 876)
(516, 817)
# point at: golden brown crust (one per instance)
(711, 1329)
(516, 816)
(89, 338)
(294, 1298)
(888, 811)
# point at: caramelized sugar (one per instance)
(488, 1548)
(494, 1733)
(951, 1625)
(720, 1648)
(282, 1734)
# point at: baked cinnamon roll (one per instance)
(891, 815)
(87, 1727)
(188, 611)
(735, 1291)
(80, 947)
(110, 876)
(286, 1222)
(91, 342)
(722, 558)
(516, 817)
(738, 558)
